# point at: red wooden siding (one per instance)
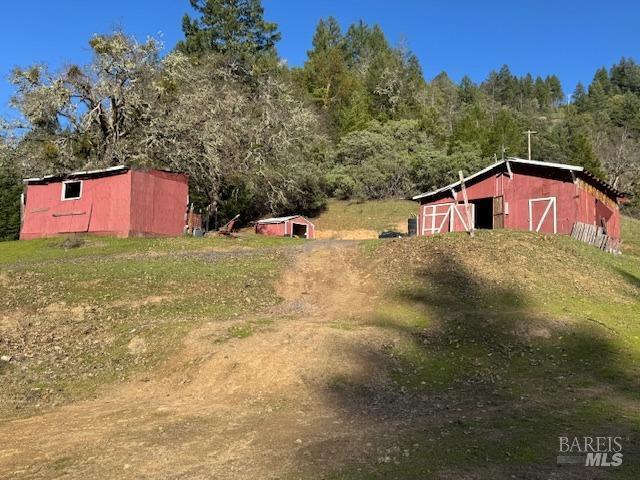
(285, 228)
(534, 198)
(122, 204)
(158, 203)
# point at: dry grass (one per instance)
(444, 357)
(631, 236)
(502, 343)
(373, 216)
(73, 323)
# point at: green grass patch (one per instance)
(372, 215)
(76, 324)
(241, 331)
(503, 342)
(47, 249)
(630, 236)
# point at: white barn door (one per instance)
(445, 217)
(543, 215)
(435, 218)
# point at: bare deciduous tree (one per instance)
(89, 112)
(619, 153)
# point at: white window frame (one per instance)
(552, 202)
(64, 187)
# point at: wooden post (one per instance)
(22, 208)
(466, 203)
(190, 220)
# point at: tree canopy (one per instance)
(357, 120)
(232, 27)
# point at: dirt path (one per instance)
(266, 406)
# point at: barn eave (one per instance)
(87, 173)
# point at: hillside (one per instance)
(364, 220)
(631, 236)
(449, 357)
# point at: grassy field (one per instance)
(56, 248)
(372, 215)
(631, 236)
(503, 343)
(73, 320)
(444, 357)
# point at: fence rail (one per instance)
(594, 235)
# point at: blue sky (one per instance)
(568, 38)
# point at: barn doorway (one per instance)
(603, 214)
(483, 217)
(299, 230)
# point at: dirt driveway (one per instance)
(266, 406)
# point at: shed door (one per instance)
(498, 212)
(603, 214)
(461, 219)
(435, 218)
(543, 215)
(299, 230)
(446, 217)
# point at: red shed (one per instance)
(292, 226)
(115, 201)
(523, 195)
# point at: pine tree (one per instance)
(601, 81)
(556, 95)
(467, 90)
(526, 90)
(542, 93)
(625, 76)
(325, 73)
(233, 27)
(505, 132)
(506, 85)
(579, 96)
(356, 115)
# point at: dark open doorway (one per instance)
(483, 216)
(299, 230)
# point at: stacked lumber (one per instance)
(594, 235)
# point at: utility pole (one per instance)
(528, 133)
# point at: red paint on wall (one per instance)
(158, 203)
(271, 229)
(536, 198)
(123, 203)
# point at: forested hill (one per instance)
(357, 121)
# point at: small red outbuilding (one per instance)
(115, 201)
(523, 195)
(292, 226)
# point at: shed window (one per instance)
(71, 190)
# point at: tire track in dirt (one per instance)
(246, 408)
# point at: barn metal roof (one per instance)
(514, 160)
(280, 219)
(277, 219)
(86, 173)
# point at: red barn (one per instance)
(115, 201)
(523, 195)
(292, 226)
